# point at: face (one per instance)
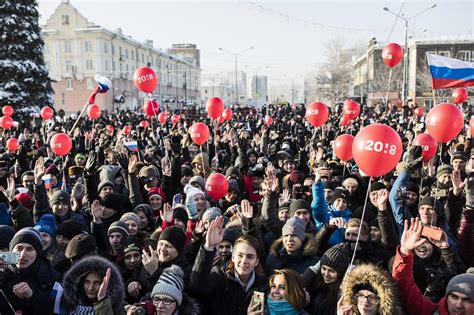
(350, 185)
(351, 234)
(412, 198)
(143, 220)
(200, 202)
(373, 197)
(459, 165)
(107, 190)
(62, 242)
(459, 304)
(132, 260)
(28, 182)
(92, 284)
(340, 204)
(115, 240)
(445, 179)
(278, 288)
(252, 159)
(46, 240)
(179, 223)
(425, 250)
(284, 214)
(291, 243)
(328, 194)
(80, 161)
(166, 251)
(224, 250)
(164, 304)
(156, 202)
(375, 234)
(231, 196)
(289, 166)
(245, 259)
(427, 215)
(60, 208)
(367, 302)
(132, 227)
(329, 274)
(303, 214)
(107, 213)
(27, 255)
(185, 180)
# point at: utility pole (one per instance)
(236, 89)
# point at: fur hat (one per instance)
(149, 171)
(170, 283)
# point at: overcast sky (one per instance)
(288, 36)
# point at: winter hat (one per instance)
(463, 283)
(175, 236)
(413, 187)
(6, 235)
(294, 226)
(284, 206)
(27, 235)
(112, 201)
(149, 171)
(432, 202)
(444, 169)
(105, 183)
(180, 213)
(186, 170)
(47, 224)
(458, 155)
(296, 177)
(211, 213)
(191, 191)
(339, 192)
(80, 245)
(299, 204)
(330, 185)
(234, 186)
(60, 195)
(198, 180)
(170, 283)
(26, 200)
(131, 244)
(130, 216)
(156, 191)
(69, 229)
(231, 235)
(53, 170)
(375, 223)
(336, 258)
(375, 186)
(120, 227)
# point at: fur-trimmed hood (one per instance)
(378, 279)
(74, 277)
(309, 246)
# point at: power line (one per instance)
(395, 22)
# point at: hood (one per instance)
(310, 247)
(73, 278)
(379, 280)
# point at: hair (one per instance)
(357, 223)
(350, 179)
(251, 241)
(324, 296)
(294, 287)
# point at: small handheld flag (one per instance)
(131, 145)
(47, 181)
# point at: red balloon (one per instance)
(144, 124)
(162, 117)
(6, 122)
(343, 147)
(317, 113)
(175, 119)
(459, 96)
(377, 149)
(61, 144)
(110, 129)
(419, 111)
(145, 79)
(227, 114)
(13, 144)
(428, 144)
(268, 120)
(7, 110)
(217, 186)
(444, 122)
(94, 111)
(151, 108)
(221, 119)
(199, 133)
(215, 107)
(126, 130)
(47, 113)
(351, 109)
(345, 121)
(392, 54)
(471, 125)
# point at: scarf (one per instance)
(281, 308)
(84, 310)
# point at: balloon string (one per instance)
(361, 221)
(389, 79)
(203, 167)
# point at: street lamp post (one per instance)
(236, 55)
(406, 55)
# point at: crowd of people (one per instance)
(109, 230)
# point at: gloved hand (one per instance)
(469, 193)
(191, 207)
(413, 158)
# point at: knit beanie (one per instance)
(69, 229)
(375, 186)
(120, 227)
(112, 201)
(170, 283)
(156, 191)
(294, 226)
(131, 244)
(211, 213)
(299, 204)
(53, 170)
(6, 235)
(198, 180)
(105, 183)
(149, 171)
(463, 283)
(180, 213)
(47, 224)
(431, 201)
(60, 195)
(458, 155)
(413, 187)
(80, 245)
(444, 169)
(26, 200)
(30, 236)
(336, 258)
(175, 236)
(339, 192)
(130, 216)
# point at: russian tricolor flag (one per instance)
(47, 181)
(131, 145)
(449, 72)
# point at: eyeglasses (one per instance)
(373, 299)
(165, 301)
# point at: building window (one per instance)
(133, 55)
(464, 55)
(120, 69)
(105, 47)
(87, 46)
(120, 52)
(67, 46)
(68, 66)
(444, 53)
(90, 84)
(69, 84)
(89, 64)
(65, 19)
(126, 53)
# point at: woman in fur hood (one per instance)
(93, 286)
(368, 290)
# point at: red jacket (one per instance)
(415, 302)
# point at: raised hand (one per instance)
(122, 160)
(320, 173)
(167, 213)
(215, 233)
(96, 211)
(132, 164)
(166, 166)
(285, 196)
(443, 242)
(458, 184)
(10, 192)
(134, 288)
(90, 163)
(338, 222)
(102, 293)
(150, 262)
(411, 236)
(382, 197)
(38, 171)
(247, 209)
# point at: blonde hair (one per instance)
(356, 223)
